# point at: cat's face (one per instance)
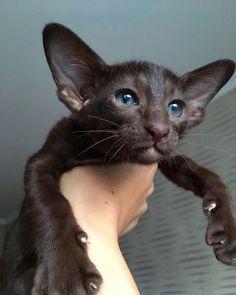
(138, 108)
(134, 111)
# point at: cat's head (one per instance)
(135, 110)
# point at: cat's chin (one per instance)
(148, 155)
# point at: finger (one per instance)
(151, 190)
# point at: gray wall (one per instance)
(2, 234)
(167, 252)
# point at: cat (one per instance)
(140, 111)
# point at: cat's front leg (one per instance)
(70, 273)
(221, 230)
(63, 265)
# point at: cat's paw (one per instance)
(221, 231)
(67, 271)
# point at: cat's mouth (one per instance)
(163, 151)
(150, 153)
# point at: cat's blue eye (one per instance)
(176, 108)
(126, 98)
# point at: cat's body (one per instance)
(135, 112)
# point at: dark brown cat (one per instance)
(136, 112)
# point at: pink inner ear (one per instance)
(68, 97)
(196, 116)
(196, 113)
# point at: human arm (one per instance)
(108, 202)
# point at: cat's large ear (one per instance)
(201, 85)
(72, 62)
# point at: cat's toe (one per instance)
(216, 235)
(221, 235)
(90, 277)
(67, 270)
(93, 284)
(226, 254)
(82, 282)
(209, 206)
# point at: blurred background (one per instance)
(166, 252)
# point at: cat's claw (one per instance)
(222, 242)
(82, 238)
(93, 286)
(67, 271)
(221, 232)
(210, 206)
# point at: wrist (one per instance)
(105, 253)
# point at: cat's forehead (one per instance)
(145, 77)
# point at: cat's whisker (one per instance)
(110, 148)
(124, 153)
(95, 131)
(112, 136)
(208, 146)
(127, 151)
(86, 133)
(103, 119)
(171, 160)
(172, 165)
(182, 155)
(132, 147)
(207, 134)
(116, 152)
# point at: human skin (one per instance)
(107, 202)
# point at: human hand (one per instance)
(123, 187)
(107, 202)
(133, 184)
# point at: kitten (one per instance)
(134, 111)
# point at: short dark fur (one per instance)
(45, 234)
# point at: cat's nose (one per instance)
(158, 131)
